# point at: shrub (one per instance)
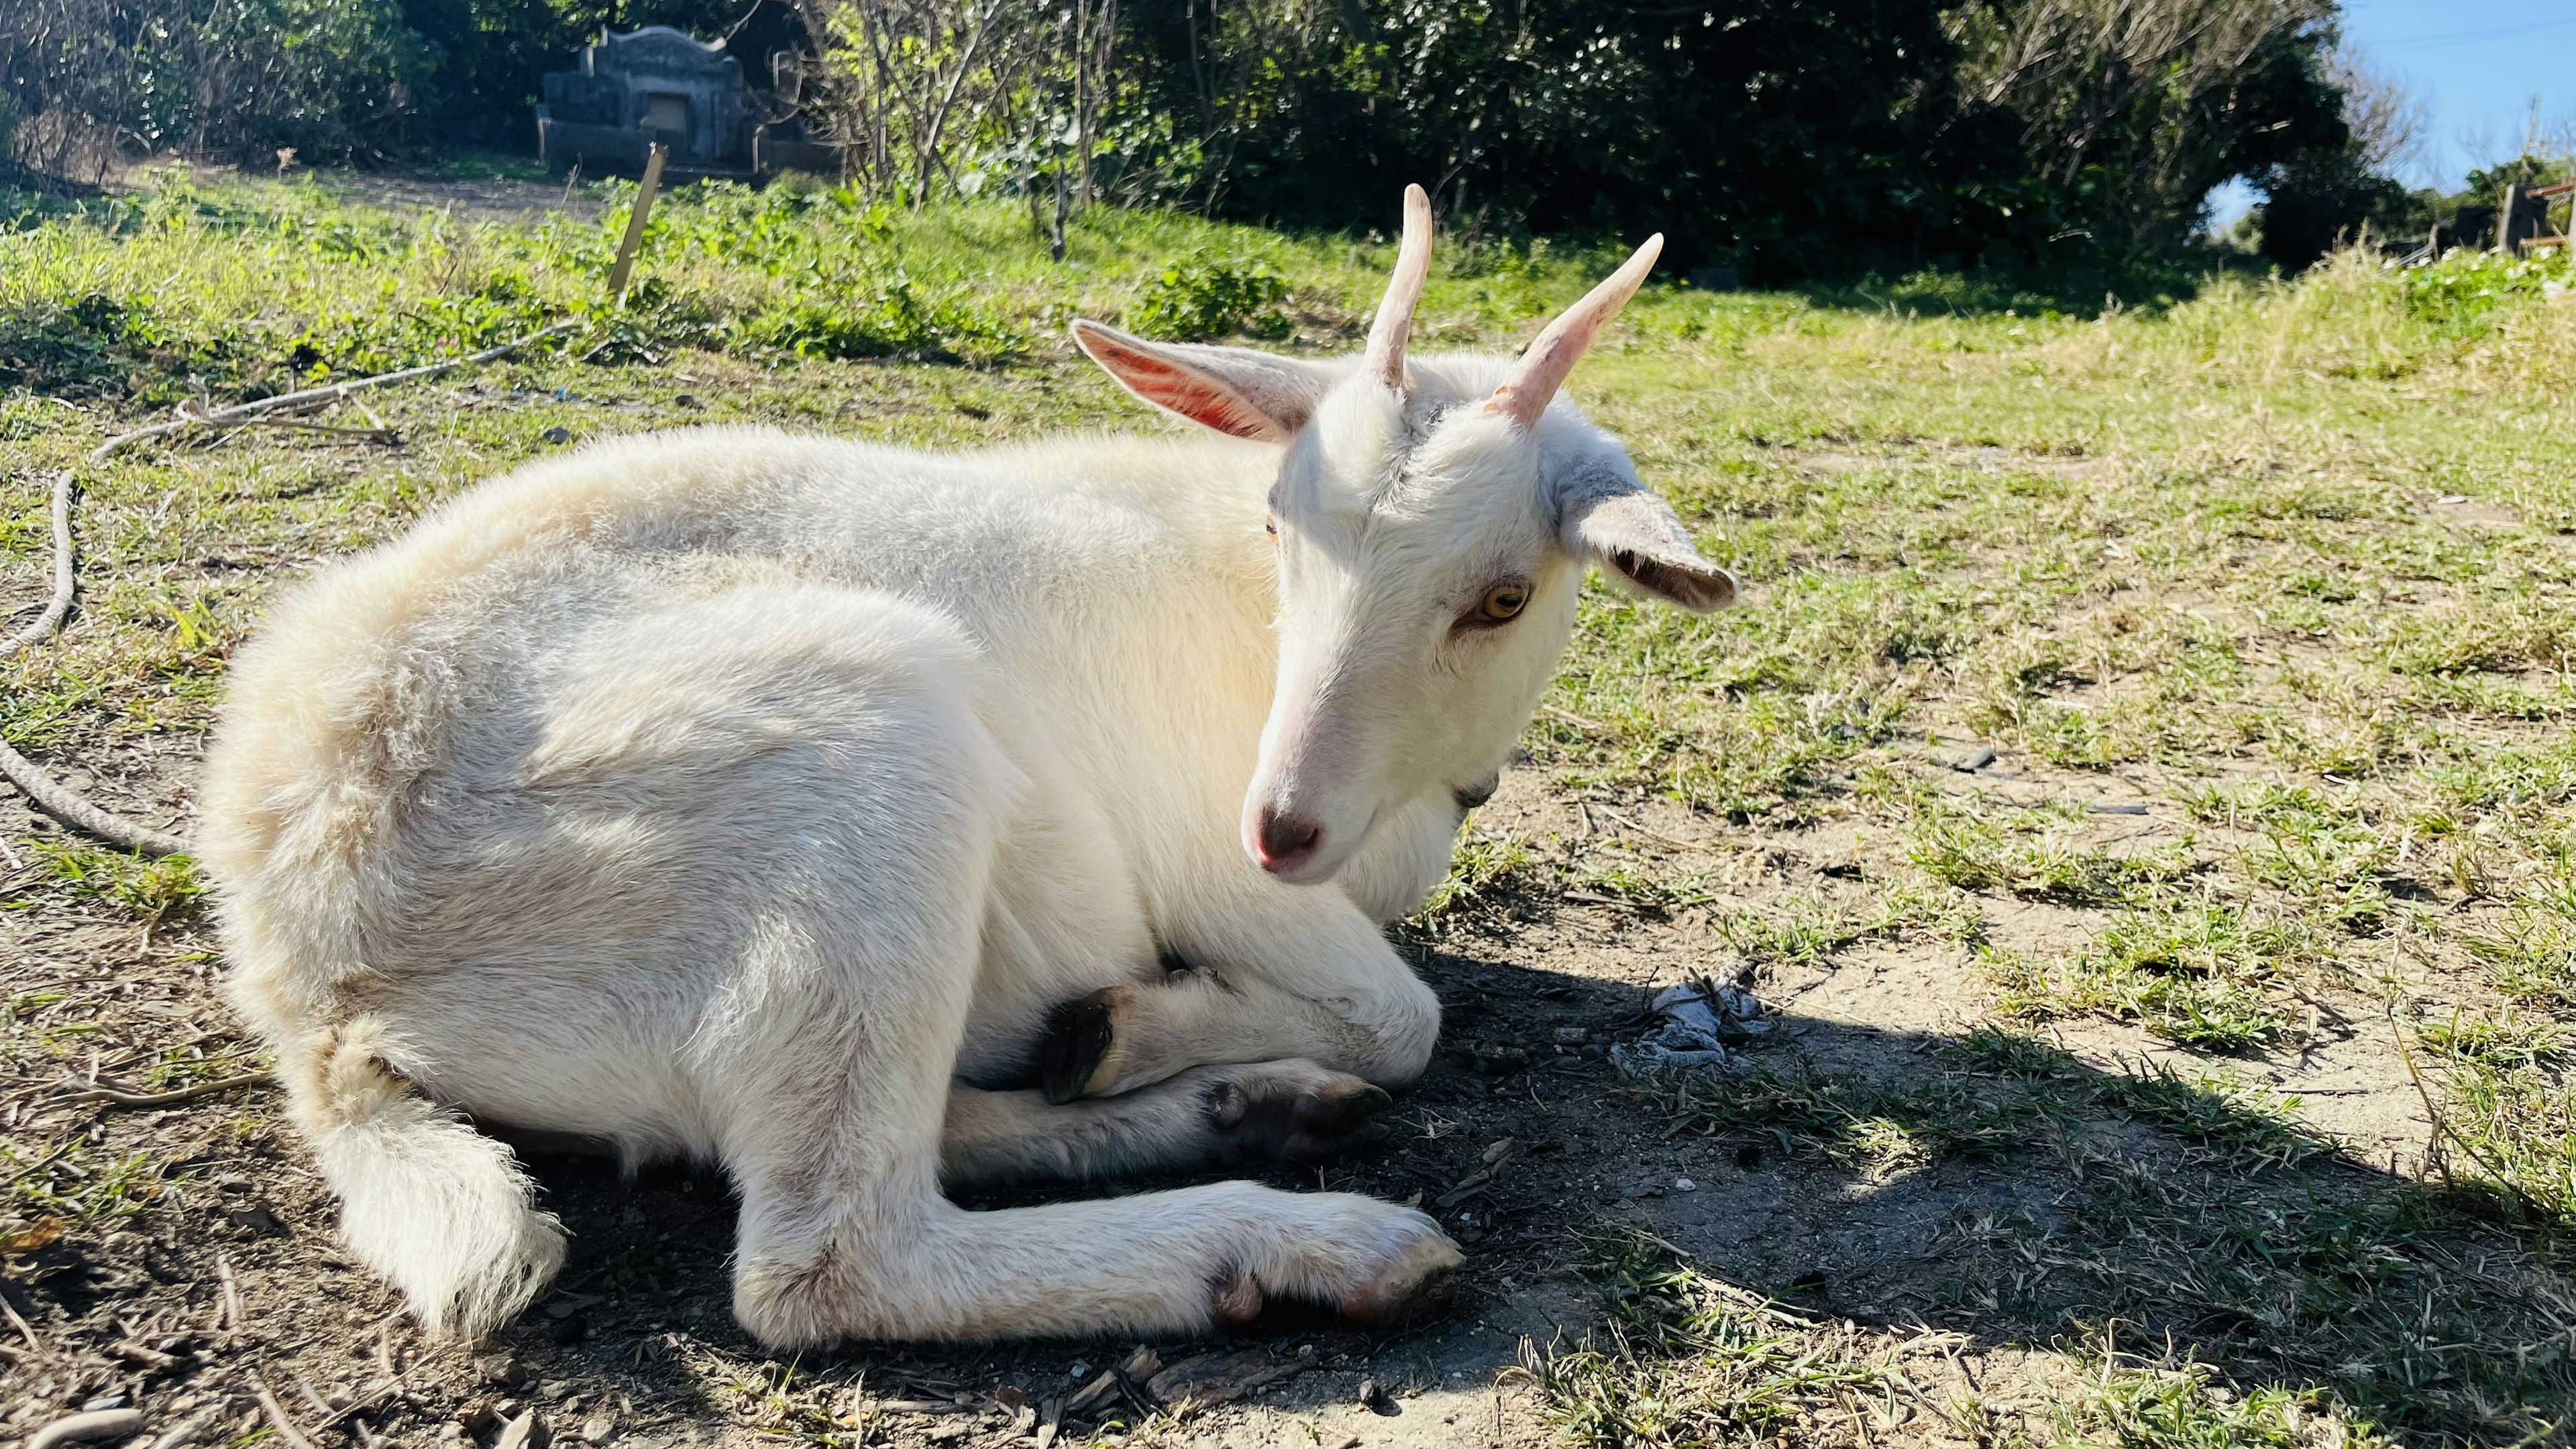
(1201, 297)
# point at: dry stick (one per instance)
(314, 398)
(186, 1432)
(25, 1330)
(49, 794)
(114, 1097)
(61, 603)
(625, 268)
(231, 1301)
(378, 434)
(82, 1428)
(276, 1412)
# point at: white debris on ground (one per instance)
(1701, 1022)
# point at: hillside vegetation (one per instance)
(1781, 139)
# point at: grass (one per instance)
(1994, 1092)
(2288, 563)
(153, 889)
(1688, 1359)
(2152, 1209)
(2193, 972)
(1684, 1358)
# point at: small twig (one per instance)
(367, 1401)
(377, 434)
(276, 1412)
(231, 1301)
(116, 1098)
(151, 1358)
(39, 1164)
(1570, 717)
(25, 1330)
(186, 1431)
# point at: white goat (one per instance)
(865, 819)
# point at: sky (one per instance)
(2477, 65)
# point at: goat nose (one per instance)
(1287, 839)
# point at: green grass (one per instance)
(153, 889)
(1684, 1358)
(1689, 1359)
(1994, 1092)
(2019, 854)
(2194, 972)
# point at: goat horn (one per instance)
(1403, 293)
(1542, 369)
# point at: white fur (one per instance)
(752, 797)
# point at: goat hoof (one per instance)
(1412, 1278)
(1075, 1046)
(1239, 1301)
(1297, 1112)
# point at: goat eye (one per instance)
(1502, 601)
(1270, 526)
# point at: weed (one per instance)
(154, 889)
(1479, 869)
(2501, 1042)
(1686, 1359)
(1876, 1129)
(2191, 972)
(2375, 1300)
(1811, 927)
(1997, 1092)
(1648, 888)
(1200, 297)
(2186, 1405)
(2022, 858)
(2531, 953)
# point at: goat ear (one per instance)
(1637, 536)
(1234, 390)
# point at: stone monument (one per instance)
(631, 90)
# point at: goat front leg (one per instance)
(1290, 972)
(1292, 1111)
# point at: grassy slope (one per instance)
(2292, 558)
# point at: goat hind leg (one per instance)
(1343, 999)
(1291, 1111)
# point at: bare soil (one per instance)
(223, 1278)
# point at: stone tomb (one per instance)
(660, 84)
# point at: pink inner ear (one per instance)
(1182, 391)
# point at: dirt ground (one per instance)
(223, 1281)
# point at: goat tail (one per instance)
(435, 1206)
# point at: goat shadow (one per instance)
(1989, 1186)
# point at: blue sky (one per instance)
(2476, 64)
